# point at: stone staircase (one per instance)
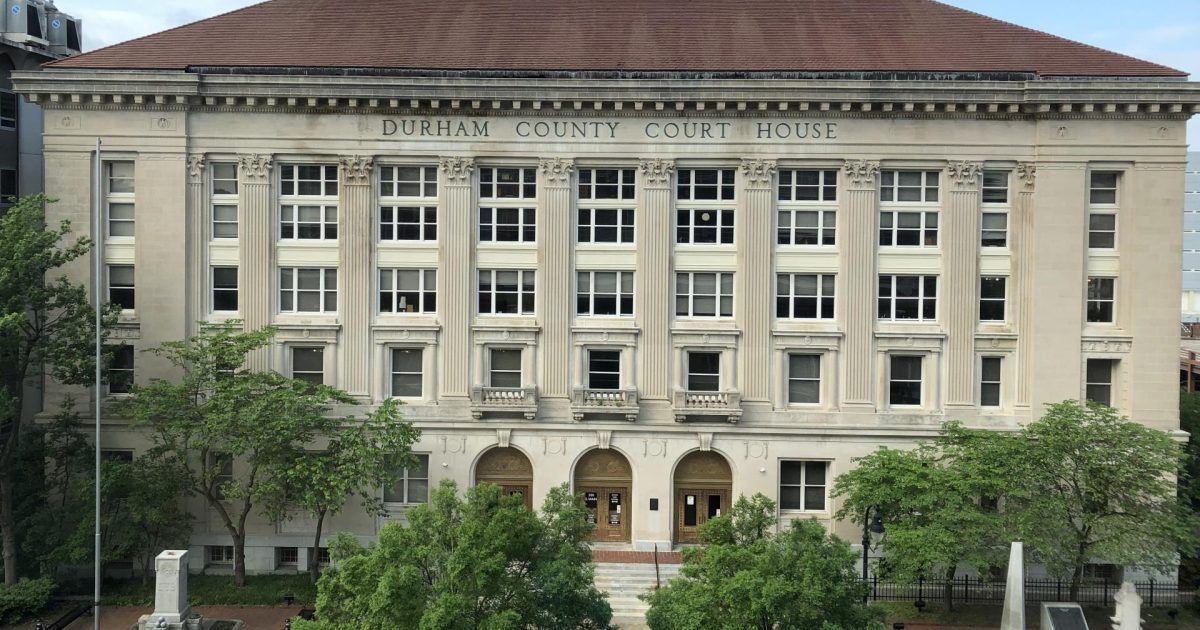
(624, 582)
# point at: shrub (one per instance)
(24, 599)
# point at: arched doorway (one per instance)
(605, 479)
(703, 483)
(508, 468)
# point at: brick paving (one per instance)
(253, 617)
(636, 557)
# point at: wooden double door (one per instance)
(518, 489)
(608, 510)
(695, 507)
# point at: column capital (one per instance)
(964, 175)
(357, 169)
(1027, 173)
(457, 169)
(758, 172)
(556, 171)
(195, 168)
(861, 173)
(657, 172)
(255, 168)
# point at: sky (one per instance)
(1164, 31)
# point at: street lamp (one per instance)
(871, 525)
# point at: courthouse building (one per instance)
(669, 253)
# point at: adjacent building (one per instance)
(669, 254)
(1191, 240)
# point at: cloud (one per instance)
(105, 23)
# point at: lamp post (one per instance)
(871, 525)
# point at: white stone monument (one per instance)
(170, 592)
(1013, 617)
(1129, 608)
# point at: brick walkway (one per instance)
(255, 617)
(636, 557)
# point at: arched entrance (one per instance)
(703, 483)
(605, 479)
(508, 468)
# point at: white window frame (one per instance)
(326, 201)
(820, 360)
(789, 185)
(790, 208)
(588, 371)
(930, 225)
(1003, 300)
(1111, 300)
(921, 297)
(392, 371)
(804, 485)
(326, 273)
(490, 184)
(1111, 384)
(489, 220)
(289, 217)
(786, 226)
(719, 296)
(132, 287)
(930, 186)
(998, 384)
(1104, 209)
(987, 235)
(112, 198)
(426, 181)
(329, 185)
(922, 389)
(392, 202)
(131, 370)
(688, 373)
(724, 205)
(280, 562)
(225, 559)
(725, 187)
(724, 228)
(389, 222)
(587, 291)
(389, 278)
(404, 483)
(492, 370)
(291, 359)
(522, 293)
(223, 200)
(622, 207)
(821, 298)
(214, 289)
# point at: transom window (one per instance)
(991, 298)
(413, 484)
(1101, 295)
(407, 369)
(511, 225)
(807, 227)
(703, 294)
(802, 485)
(224, 200)
(606, 225)
(407, 291)
(507, 183)
(308, 365)
(695, 225)
(705, 184)
(506, 291)
(308, 222)
(704, 371)
(908, 229)
(904, 381)
(225, 289)
(308, 180)
(505, 368)
(807, 185)
(908, 298)
(1099, 385)
(804, 379)
(604, 369)
(408, 181)
(307, 290)
(604, 293)
(607, 183)
(119, 199)
(804, 296)
(909, 186)
(989, 381)
(995, 187)
(121, 287)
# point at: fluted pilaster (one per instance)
(255, 240)
(653, 280)
(755, 278)
(355, 231)
(856, 279)
(1021, 293)
(555, 244)
(456, 262)
(197, 241)
(960, 279)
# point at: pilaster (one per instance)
(553, 298)
(755, 278)
(197, 241)
(653, 280)
(858, 236)
(1021, 293)
(255, 239)
(355, 231)
(960, 279)
(456, 264)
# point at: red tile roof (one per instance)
(616, 35)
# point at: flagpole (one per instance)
(98, 238)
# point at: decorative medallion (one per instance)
(556, 171)
(457, 169)
(965, 174)
(554, 446)
(657, 171)
(756, 449)
(861, 172)
(357, 169)
(255, 168)
(654, 448)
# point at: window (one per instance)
(1102, 230)
(908, 297)
(704, 226)
(807, 185)
(804, 296)
(120, 371)
(219, 554)
(994, 220)
(8, 109)
(802, 485)
(993, 229)
(413, 485)
(322, 556)
(1103, 188)
(989, 381)
(995, 187)
(407, 291)
(703, 294)
(904, 382)
(604, 293)
(116, 455)
(224, 179)
(705, 184)
(308, 365)
(225, 289)
(407, 372)
(908, 229)
(704, 371)
(807, 227)
(508, 225)
(408, 223)
(508, 183)
(8, 185)
(1099, 382)
(803, 224)
(224, 201)
(287, 556)
(604, 369)
(308, 222)
(605, 205)
(804, 379)
(120, 286)
(308, 180)
(1102, 210)
(909, 186)
(505, 368)
(506, 292)
(119, 199)
(408, 181)
(304, 290)
(308, 218)
(991, 299)
(222, 465)
(606, 183)
(1101, 293)
(605, 225)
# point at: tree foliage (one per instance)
(748, 578)
(485, 562)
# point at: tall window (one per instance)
(1102, 210)
(989, 381)
(225, 289)
(8, 109)
(804, 379)
(308, 202)
(119, 199)
(991, 298)
(120, 286)
(904, 381)
(407, 373)
(505, 368)
(506, 213)
(705, 206)
(604, 293)
(807, 207)
(407, 291)
(804, 296)
(224, 200)
(1099, 385)
(908, 298)
(307, 290)
(606, 198)
(513, 225)
(120, 371)
(1101, 295)
(704, 371)
(308, 365)
(408, 203)
(802, 485)
(506, 291)
(604, 369)
(994, 220)
(703, 294)
(413, 485)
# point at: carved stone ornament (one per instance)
(759, 173)
(603, 439)
(606, 465)
(503, 436)
(504, 463)
(861, 172)
(703, 466)
(556, 171)
(1027, 173)
(965, 174)
(357, 169)
(657, 171)
(255, 168)
(195, 167)
(705, 441)
(457, 169)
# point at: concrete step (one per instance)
(624, 583)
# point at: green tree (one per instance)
(47, 327)
(359, 460)
(748, 578)
(1189, 488)
(483, 562)
(52, 502)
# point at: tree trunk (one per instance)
(1076, 580)
(8, 525)
(948, 588)
(314, 559)
(239, 560)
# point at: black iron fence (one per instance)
(973, 590)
